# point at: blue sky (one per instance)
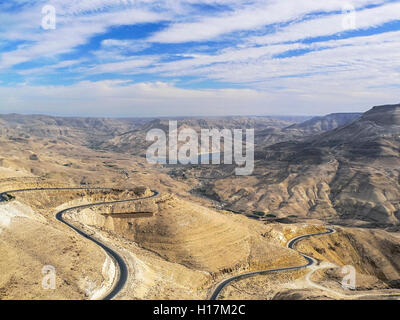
(192, 57)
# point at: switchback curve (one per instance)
(122, 267)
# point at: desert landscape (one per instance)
(199, 231)
(175, 153)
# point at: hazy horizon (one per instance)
(178, 117)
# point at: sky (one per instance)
(118, 58)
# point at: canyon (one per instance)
(204, 224)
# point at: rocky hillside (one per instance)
(134, 141)
(348, 174)
(373, 136)
(84, 131)
(303, 130)
(325, 123)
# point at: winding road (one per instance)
(119, 283)
(290, 245)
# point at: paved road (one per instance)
(122, 268)
(290, 244)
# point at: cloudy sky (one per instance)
(198, 57)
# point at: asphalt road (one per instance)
(122, 268)
(290, 244)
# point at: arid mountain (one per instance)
(123, 135)
(347, 175)
(268, 130)
(85, 131)
(128, 135)
(303, 130)
(376, 134)
(134, 141)
(325, 123)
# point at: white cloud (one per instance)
(329, 25)
(250, 18)
(118, 98)
(121, 67)
(70, 32)
(51, 68)
(132, 45)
